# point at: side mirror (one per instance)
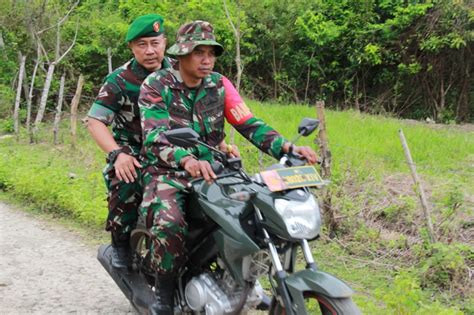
(182, 137)
(307, 126)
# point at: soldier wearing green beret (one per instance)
(116, 106)
(190, 94)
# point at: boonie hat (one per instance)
(145, 26)
(194, 34)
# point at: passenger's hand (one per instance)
(198, 168)
(230, 149)
(125, 167)
(307, 153)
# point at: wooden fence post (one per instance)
(322, 141)
(74, 105)
(16, 110)
(418, 187)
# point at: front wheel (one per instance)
(317, 303)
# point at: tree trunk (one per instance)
(16, 111)
(275, 73)
(44, 99)
(442, 102)
(2, 47)
(30, 98)
(57, 117)
(462, 110)
(238, 61)
(308, 77)
(109, 59)
(74, 106)
(356, 94)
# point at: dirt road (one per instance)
(47, 269)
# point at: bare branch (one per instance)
(38, 42)
(61, 21)
(230, 20)
(58, 43)
(72, 45)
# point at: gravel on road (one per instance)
(47, 269)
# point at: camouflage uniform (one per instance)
(166, 103)
(116, 105)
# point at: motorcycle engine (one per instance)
(204, 293)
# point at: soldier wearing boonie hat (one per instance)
(191, 95)
(116, 105)
(192, 35)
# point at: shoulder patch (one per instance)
(102, 93)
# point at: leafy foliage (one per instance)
(406, 58)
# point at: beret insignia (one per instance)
(156, 26)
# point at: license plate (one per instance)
(291, 177)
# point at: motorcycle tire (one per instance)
(317, 303)
(140, 244)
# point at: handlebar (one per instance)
(180, 174)
(292, 159)
(216, 167)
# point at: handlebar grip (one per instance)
(295, 159)
(181, 174)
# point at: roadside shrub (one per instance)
(446, 267)
(6, 125)
(57, 185)
(404, 296)
(401, 210)
(7, 96)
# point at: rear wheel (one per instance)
(140, 243)
(316, 303)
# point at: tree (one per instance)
(52, 64)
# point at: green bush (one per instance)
(6, 125)
(400, 211)
(404, 297)
(445, 267)
(58, 185)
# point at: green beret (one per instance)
(145, 26)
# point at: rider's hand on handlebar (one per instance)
(198, 168)
(307, 153)
(125, 167)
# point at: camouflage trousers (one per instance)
(163, 210)
(123, 202)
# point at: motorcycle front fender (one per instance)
(315, 281)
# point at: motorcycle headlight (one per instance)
(302, 218)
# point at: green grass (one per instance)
(365, 151)
(364, 141)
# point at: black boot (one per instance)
(265, 304)
(164, 294)
(121, 254)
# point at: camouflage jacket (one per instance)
(166, 103)
(116, 103)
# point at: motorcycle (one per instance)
(242, 228)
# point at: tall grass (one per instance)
(370, 145)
